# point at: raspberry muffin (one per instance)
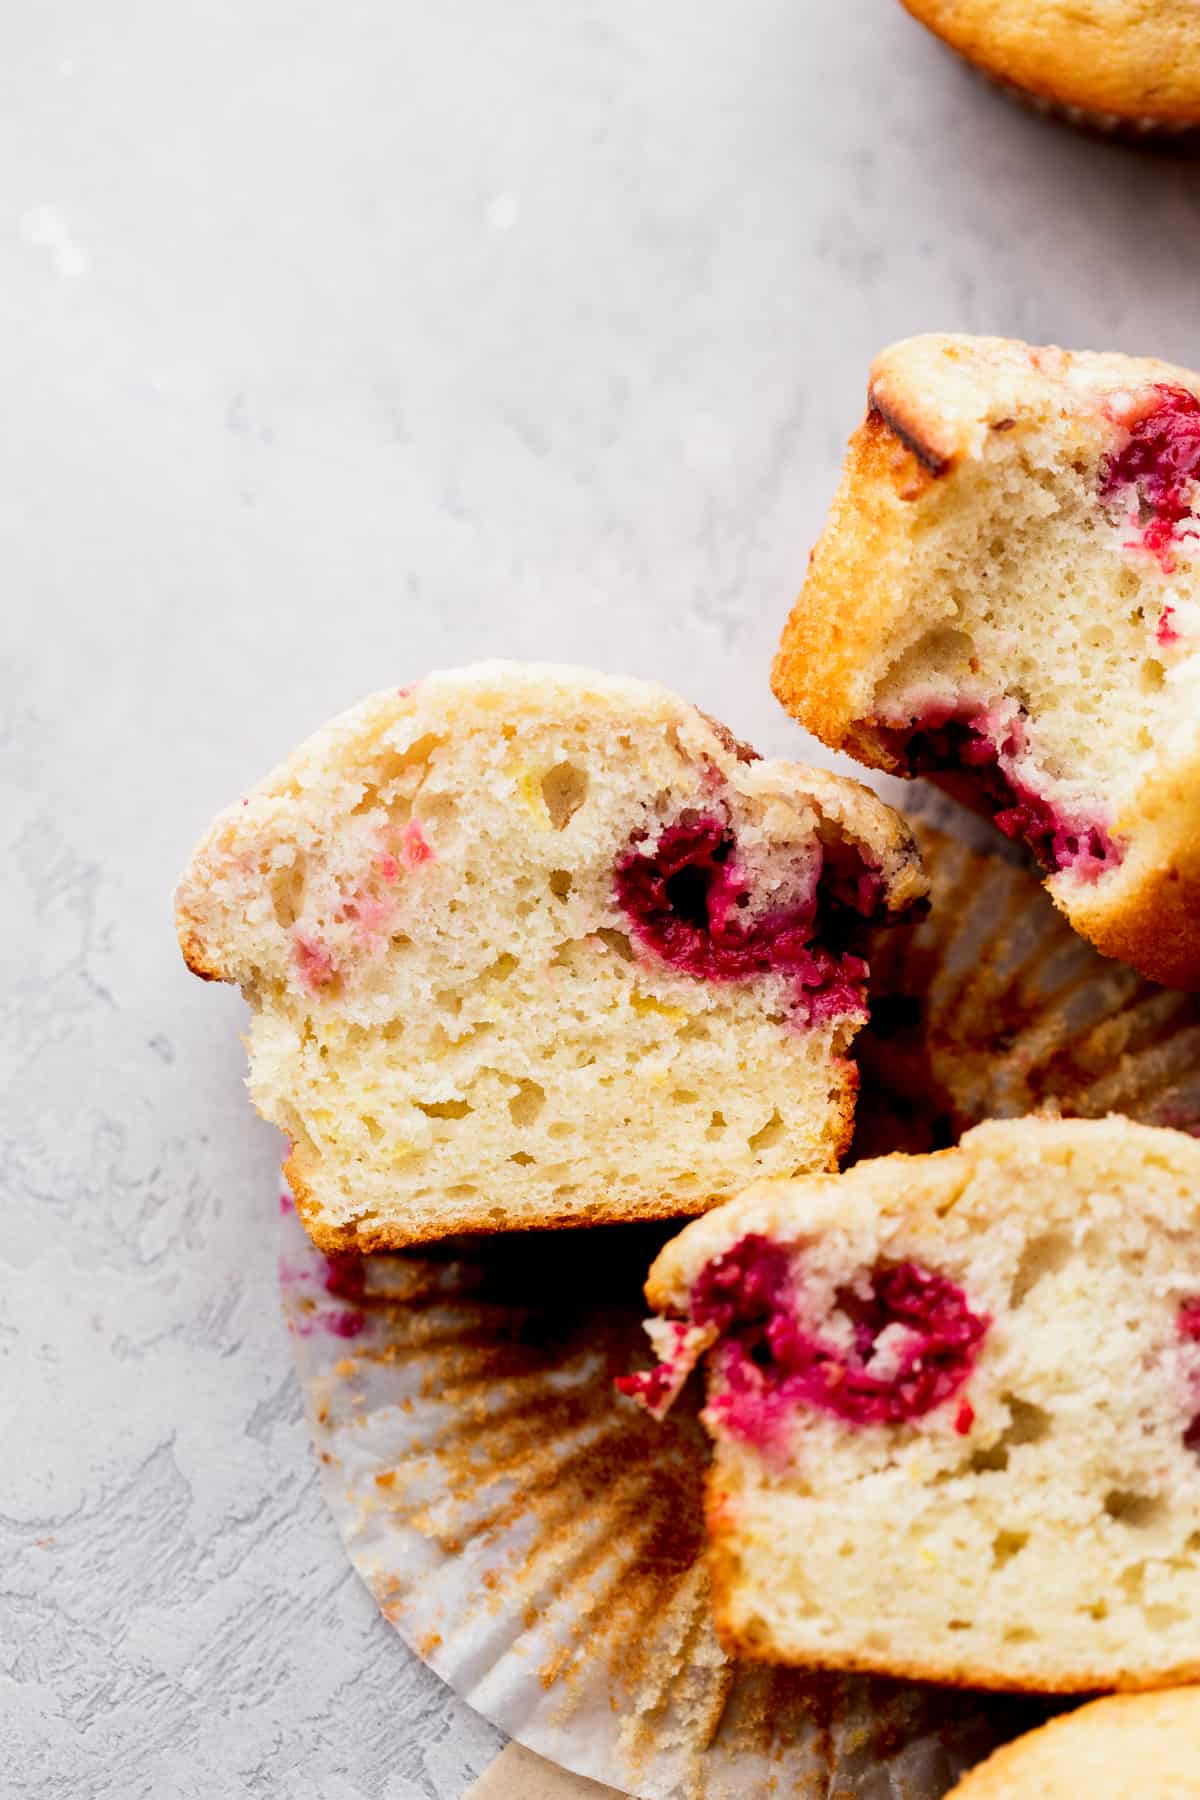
(1111, 64)
(1126, 1747)
(1006, 597)
(533, 946)
(956, 1407)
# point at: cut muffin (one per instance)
(1109, 64)
(1125, 1747)
(956, 1406)
(1007, 598)
(534, 946)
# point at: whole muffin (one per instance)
(1117, 64)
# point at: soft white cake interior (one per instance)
(1047, 1536)
(1028, 585)
(454, 1021)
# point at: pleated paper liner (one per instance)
(1149, 131)
(993, 1008)
(539, 1541)
(1146, 130)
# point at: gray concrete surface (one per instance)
(339, 342)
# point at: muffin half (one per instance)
(534, 946)
(956, 1408)
(1007, 598)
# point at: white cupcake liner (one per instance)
(993, 1007)
(539, 1541)
(1134, 127)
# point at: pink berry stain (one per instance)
(343, 1277)
(364, 907)
(975, 745)
(680, 1347)
(1167, 632)
(313, 961)
(415, 848)
(369, 914)
(687, 900)
(1189, 1330)
(1159, 463)
(346, 1279)
(770, 1364)
(651, 1386)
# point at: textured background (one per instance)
(339, 341)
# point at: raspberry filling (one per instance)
(974, 748)
(1160, 462)
(653, 1387)
(690, 900)
(908, 1341)
(679, 1348)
